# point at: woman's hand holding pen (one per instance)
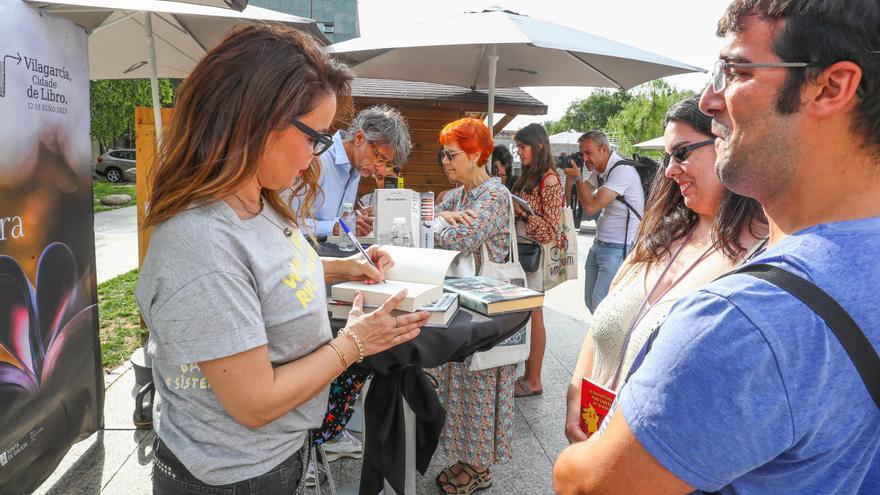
(360, 270)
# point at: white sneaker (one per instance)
(310, 473)
(344, 445)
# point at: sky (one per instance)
(683, 30)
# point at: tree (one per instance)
(591, 112)
(113, 103)
(641, 118)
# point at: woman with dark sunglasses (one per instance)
(232, 292)
(694, 230)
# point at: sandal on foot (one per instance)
(484, 477)
(475, 481)
(521, 388)
(449, 475)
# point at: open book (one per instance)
(420, 271)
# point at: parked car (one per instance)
(113, 163)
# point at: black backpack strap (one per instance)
(620, 196)
(850, 336)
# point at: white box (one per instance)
(393, 203)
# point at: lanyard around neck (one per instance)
(645, 307)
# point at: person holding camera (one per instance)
(617, 225)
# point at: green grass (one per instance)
(103, 188)
(120, 330)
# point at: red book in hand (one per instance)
(595, 402)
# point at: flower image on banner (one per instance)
(51, 381)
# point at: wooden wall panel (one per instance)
(145, 144)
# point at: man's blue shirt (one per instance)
(747, 390)
(339, 183)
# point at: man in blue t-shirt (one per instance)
(745, 389)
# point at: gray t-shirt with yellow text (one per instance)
(214, 285)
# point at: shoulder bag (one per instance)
(516, 347)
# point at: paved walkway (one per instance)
(116, 245)
(118, 459)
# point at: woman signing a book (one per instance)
(693, 231)
(233, 294)
(479, 404)
(540, 187)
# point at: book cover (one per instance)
(490, 296)
(525, 204)
(395, 203)
(596, 400)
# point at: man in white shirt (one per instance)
(618, 223)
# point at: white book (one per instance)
(395, 203)
(420, 271)
(442, 310)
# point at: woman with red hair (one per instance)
(479, 404)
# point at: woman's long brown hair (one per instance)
(534, 136)
(249, 85)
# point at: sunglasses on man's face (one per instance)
(682, 153)
(320, 142)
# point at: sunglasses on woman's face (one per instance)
(682, 153)
(445, 154)
(320, 142)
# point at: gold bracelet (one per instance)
(339, 353)
(357, 342)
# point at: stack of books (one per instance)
(442, 310)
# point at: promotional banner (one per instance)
(51, 383)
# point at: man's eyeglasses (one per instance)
(719, 70)
(380, 158)
(682, 153)
(320, 142)
(445, 154)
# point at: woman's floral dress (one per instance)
(479, 404)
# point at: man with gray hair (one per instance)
(618, 221)
(376, 142)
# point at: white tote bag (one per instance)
(560, 263)
(516, 347)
